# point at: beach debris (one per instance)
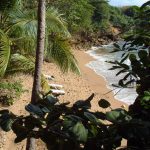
(123, 106)
(55, 86)
(57, 92)
(48, 77)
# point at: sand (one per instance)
(76, 88)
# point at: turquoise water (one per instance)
(100, 66)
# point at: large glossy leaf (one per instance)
(93, 131)
(116, 116)
(20, 130)
(100, 115)
(74, 118)
(91, 118)
(7, 124)
(67, 123)
(33, 109)
(6, 120)
(4, 52)
(80, 132)
(51, 100)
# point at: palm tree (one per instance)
(18, 31)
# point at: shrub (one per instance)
(10, 91)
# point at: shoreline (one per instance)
(97, 82)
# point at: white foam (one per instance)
(100, 66)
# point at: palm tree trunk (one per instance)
(39, 51)
(31, 145)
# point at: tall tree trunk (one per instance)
(38, 63)
(39, 51)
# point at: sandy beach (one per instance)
(76, 88)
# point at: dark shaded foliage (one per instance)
(75, 127)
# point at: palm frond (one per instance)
(20, 63)
(4, 52)
(55, 23)
(24, 45)
(22, 30)
(60, 52)
(23, 23)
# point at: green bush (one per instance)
(7, 4)
(77, 13)
(10, 91)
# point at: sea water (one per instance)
(101, 67)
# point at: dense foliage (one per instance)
(100, 16)
(7, 4)
(18, 33)
(76, 127)
(137, 50)
(119, 19)
(77, 13)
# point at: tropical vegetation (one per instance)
(59, 125)
(18, 34)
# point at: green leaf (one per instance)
(74, 118)
(104, 103)
(132, 57)
(100, 115)
(146, 93)
(93, 131)
(115, 67)
(91, 118)
(4, 52)
(142, 54)
(129, 82)
(7, 124)
(36, 110)
(146, 98)
(123, 59)
(6, 120)
(51, 100)
(116, 116)
(67, 123)
(20, 130)
(80, 132)
(123, 65)
(60, 52)
(126, 76)
(121, 71)
(145, 4)
(116, 46)
(20, 63)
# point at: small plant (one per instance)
(10, 91)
